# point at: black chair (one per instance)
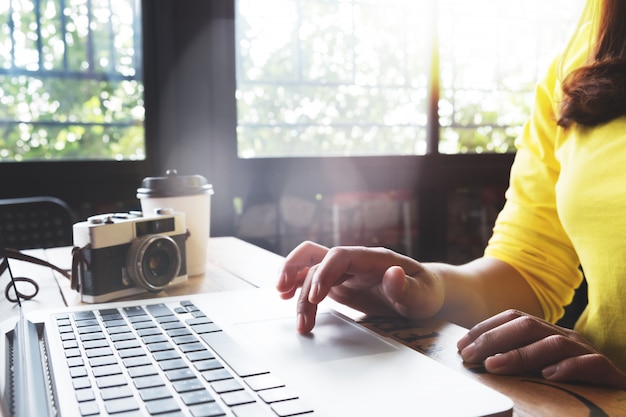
(36, 222)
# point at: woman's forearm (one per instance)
(481, 289)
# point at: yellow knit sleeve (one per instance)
(528, 234)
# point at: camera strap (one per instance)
(17, 255)
(78, 261)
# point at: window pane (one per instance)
(331, 78)
(350, 77)
(70, 80)
(491, 55)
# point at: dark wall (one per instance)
(190, 93)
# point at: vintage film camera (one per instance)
(123, 254)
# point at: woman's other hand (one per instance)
(513, 343)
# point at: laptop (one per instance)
(219, 354)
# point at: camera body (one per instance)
(128, 253)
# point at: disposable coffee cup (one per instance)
(190, 194)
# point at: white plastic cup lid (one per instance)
(173, 185)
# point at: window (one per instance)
(70, 80)
(355, 77)
(491, 56)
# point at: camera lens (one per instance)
(153, 261)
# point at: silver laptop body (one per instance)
(225, 353)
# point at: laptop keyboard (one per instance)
(153, 360)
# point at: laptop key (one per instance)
(274, 395)
(94, 353)
(226, 385)
(165, 405)
(216, 375)
(68, 336)
(173, 325)
(168, 365)
(107, 370)
(102, 361)
(237, 398)
(129, 353)
(261, 382)
(134, 311)
(159, 310)
(290, 408)
(84, 315)
(185, 339)
(197, 397)
(252, 410)
(158, 347)
(165, 355)
(198, 320)
(127, 344)
(148, 381)
(207, 410)
(113, 320)
(183, 331)
(158, 338)
(78, 371)
(82, 382)
(113, 393)
(155, 393)
(139, 318)
(88, 409)
(144, 325)
(144, 370)
(86, 323)
(118, 329)
(187, 385)
(111, 381)
(192, 347)
(206, 328)
(200, 355)
(119, 337)
(148, 331)
(208, 364)
(89, 329)
(178, 374)
(98, 343)
(83, 395)
(121, 405)
(72, 362)
(92, 336)
(136, 361)
(72, 353)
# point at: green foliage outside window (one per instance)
(70, 85)
(352, 77)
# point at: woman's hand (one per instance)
(516, 343)
(372, 280)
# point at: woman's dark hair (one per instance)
(596, 93)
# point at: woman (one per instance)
(565, 209)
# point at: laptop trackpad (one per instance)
(332, 338)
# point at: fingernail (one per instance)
(549, 371)
(469, 352)
(496, 362)
(314, 294)
(300, 322)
